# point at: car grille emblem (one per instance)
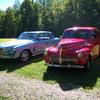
(60, 53)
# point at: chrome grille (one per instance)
(64, 60)
(1, 51)
(54, 59)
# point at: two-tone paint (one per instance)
(27, 44)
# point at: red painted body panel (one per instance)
(74, 50)
(82, 28)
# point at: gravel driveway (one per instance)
(20, 88)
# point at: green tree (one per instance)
(29, 16)
(1, 21)
(86, 11)
(52, 15)
(8, 24)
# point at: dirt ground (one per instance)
(20, 88)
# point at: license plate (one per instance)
(69, 59)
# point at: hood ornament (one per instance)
(60, 53)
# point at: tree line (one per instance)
(50, 15)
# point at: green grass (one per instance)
(4, 98)
(36, 68)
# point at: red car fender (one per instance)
(86, 52)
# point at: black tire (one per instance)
(25, 55)
(87, 65)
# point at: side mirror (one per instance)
(60, 37)
(93, 36)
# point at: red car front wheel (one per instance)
(88, 64)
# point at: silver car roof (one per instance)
(37, 32)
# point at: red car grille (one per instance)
(54, 59)
(63, 60)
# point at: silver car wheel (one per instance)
(25, 55)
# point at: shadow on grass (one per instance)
(69, 79)
(12, 65)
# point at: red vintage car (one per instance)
(76, 49)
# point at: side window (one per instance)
(94, 34)
(97, 33)
(44, 36)
(51, 35)
(84, 34)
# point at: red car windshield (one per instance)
(78, 34)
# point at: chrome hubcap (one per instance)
(25, 56)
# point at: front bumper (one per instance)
(8, 56)
(65, 66)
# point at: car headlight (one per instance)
(46, 52)
(80, 55)
(9, 50)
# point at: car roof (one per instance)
(81, 28)
(37, 32)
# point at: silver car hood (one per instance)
(16, 42)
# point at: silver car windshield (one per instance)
(28, 36)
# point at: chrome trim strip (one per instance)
(66, 66)
(37, 54)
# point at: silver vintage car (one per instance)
(27, 44)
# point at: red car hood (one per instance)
(68, 46)
(69, 41)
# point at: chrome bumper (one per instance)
(7, 57)
(65, 66)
